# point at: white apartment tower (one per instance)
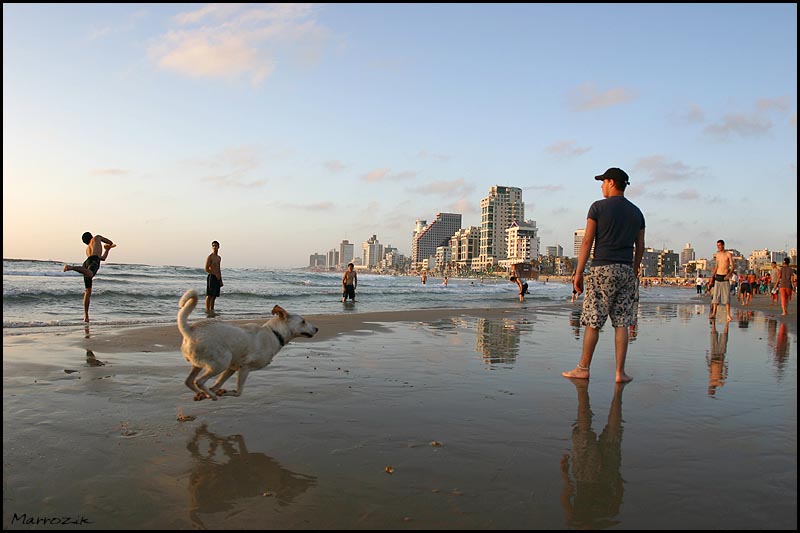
(499, 210)
(429, 237)
(346, 252)
(372, 252)
(687, 254)
(523, 242)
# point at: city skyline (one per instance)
(280, 129)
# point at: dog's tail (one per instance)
(187, 304)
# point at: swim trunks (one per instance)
(212, 286)
(349, 292)
(93, 264)
(610, 291)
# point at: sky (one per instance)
(280, 130)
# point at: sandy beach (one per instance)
(442, 419)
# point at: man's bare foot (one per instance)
(86, 319)
(622, 377)
(578, 372)
(109, 246)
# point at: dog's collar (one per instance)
(280, 338)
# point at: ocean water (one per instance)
(39, 294)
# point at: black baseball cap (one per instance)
(617, 174)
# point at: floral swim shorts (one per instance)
(610, 291)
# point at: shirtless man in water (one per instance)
(349, 283)
(721, 292)
(95, 245)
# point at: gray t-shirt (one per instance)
(618, 224)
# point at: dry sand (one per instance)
(426, 420)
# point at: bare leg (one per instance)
(82, 269)
(713, 311)
(728, 310)
(621, 349)
(87, 296)
(590, 338)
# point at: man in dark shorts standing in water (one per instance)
(94, 246)
(616, 228)
(349, 282)
(214, 280)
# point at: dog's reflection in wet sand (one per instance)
(224, 473)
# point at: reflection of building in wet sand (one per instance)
(498, 340)
(224, 473)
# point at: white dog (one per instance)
(214, 347)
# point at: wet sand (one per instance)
(467, 409)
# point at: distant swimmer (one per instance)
(90, 267)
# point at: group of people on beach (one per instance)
(615, 227)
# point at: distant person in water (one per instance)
(97, 248)
(523, 287)
(349, 283)
(424, 277)
(214, 279)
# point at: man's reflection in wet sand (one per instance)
(224, 473)
(592, 497)
(717, 366)
(575, 322)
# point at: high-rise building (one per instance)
(577, 240)
(316, 260)
(372, 252)
(333, 258)
(429, 237)
(499, 210)
(554, 251)
(523, 243)
(346, 252)
(687, 254)
(465, 245)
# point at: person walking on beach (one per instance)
(214, 279)
(699, 282)
(784, 281)
(349, 283)
(616, 228)
(523, 287)
(94, 245)
(721, 292)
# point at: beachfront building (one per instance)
(660, 263)
(371, 252)
(428, 237)
(465, 245)
(522, 243)
(554, 251)
(346, 252)
(444, 258)
(333, 258)
(499, 210)
(687, 254)
(577, 240)
(316, 260)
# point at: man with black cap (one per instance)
(616, 228)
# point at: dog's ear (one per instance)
(280, 311)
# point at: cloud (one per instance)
(438, 157)
(234, 165)
(455, 188)
(334, 165)
(586, 98)
(465, 206)
(767, 104)
(545, 188)
(383, 174)
(566, 149)
(319, 206)
(752, 125)
(231, 41)
(660, 170)
(695, 115)
(109, 172)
